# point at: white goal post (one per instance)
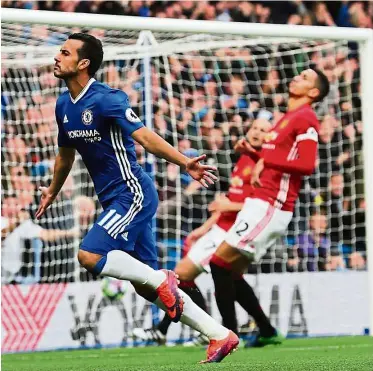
(364, 38)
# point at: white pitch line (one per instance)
(129, 354)
(318, 347)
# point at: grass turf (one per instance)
(329, 354)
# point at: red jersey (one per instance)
(239, 189)
(289, 153)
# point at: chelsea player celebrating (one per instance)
(98, 122)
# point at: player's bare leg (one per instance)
(186, 270)
(222, 341)
(119, 264)
(231, 256)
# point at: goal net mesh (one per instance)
(205, 93)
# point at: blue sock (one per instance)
(97, 269)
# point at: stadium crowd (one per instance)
(202, 102)
(317, 13)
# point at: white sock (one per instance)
(198, 319)
(121, 265)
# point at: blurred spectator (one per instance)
(85, 210)
(333, 150)
(235, 101)
(22, 186)
(223, 11)
(356, 261)
(17, 151)
(10, 209)
(16, 237)
(138, 8)
(245, 12)
(321, 15)
(110, 7)
(312, 250)
(333, 199)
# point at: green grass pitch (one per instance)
(324, 354)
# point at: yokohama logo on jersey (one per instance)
(82, 133)
(26, 316)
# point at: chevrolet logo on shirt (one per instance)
(246, 171)
(236, 181)
(284, 124)
(272, 135)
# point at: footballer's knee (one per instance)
(187, 270)
(227, 253)
(88, 260)
(241, 265)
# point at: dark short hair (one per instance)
(319, 211)
(322, 83)
(91, 49)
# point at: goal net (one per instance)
(202, 92)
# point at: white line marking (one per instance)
(155, 354)
(319, 347)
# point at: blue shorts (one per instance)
(123, 225)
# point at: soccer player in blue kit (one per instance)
(99, 123)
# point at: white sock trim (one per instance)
(198, 319)
(123, 266)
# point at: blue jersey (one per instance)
(98, 123)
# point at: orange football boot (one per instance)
(219, 349)
(169, 294)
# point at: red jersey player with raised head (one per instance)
(288, 154)
(204, 241)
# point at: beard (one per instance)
(64, 75)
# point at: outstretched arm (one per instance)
(223, 204)
(156, 145)
(206, 226)
(197, 233)
(62, 166)
(244, 147)
(116, 106)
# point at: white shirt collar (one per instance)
(84, 90)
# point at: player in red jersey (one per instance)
(201, 244)
(288, 154)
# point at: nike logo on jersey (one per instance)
(65, 120)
